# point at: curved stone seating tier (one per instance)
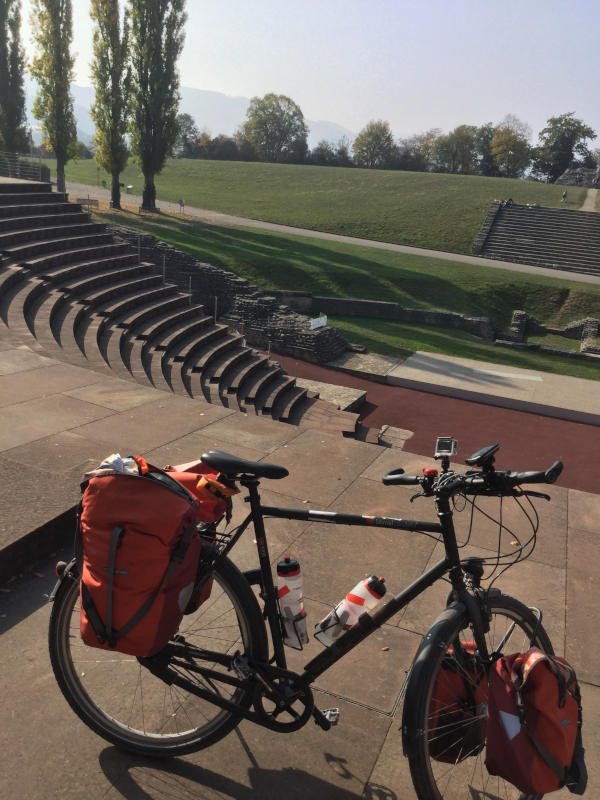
(546, 237)
(88, 300)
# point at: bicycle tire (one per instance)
(465, 778)
(122, 701)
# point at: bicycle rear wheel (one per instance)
(447, 756)
(122, 701)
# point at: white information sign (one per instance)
(318, 322)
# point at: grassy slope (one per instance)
(275, 261)
(292, 262)
(442, 212)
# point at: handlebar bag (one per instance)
(534, 726)
(139, 556)
(457, 710)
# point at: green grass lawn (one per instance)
(275, 261)
(401, 339)
(441, 212)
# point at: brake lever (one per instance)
(530, 493)
(419, 494)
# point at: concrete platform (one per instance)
(534, 391)
(59, 419)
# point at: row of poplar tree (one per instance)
(134, 74)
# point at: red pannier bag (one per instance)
(140, 552)
(534, 724)
(215, 501)
(457, 710)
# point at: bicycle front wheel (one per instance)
(122, 701)
(445, 745)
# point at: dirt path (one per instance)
(589, 204)
(132, 202)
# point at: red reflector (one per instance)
(430, 472)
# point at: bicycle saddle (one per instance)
(232, 465)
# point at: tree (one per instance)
(416, 152)
(52, 68)
(510, 147)
(456, 152)
(374, 146)
(275, 128)
(13, 131)
(342, 152)
(111, 78)
(486, 164)
(324, 154)
(560, 143)
(186, 143)
(156, 42)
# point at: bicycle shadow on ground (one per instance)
(138, 778)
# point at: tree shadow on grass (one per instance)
(273, 261)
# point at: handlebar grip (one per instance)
(542, 476)
(396, 477)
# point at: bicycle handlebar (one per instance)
(488, 482)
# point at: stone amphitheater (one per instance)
(88, 299)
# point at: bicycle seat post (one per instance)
(251, 483)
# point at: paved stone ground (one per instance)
(58, 419)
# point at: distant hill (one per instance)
(212, 111)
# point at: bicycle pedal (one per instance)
(332, 715)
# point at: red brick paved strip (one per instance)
(527, 441)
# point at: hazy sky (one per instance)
(418, 65)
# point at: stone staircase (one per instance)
(88, 300)
(545, 237)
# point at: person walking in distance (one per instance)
(564, 197)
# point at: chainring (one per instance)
(285, 708)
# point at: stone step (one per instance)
(23, 252)
(88, 285)
(245, 372)
(11, 278)
(190, 350)
(24, 188)
(20, 198)
(97, 298)
(227, 363)
(180, 337)
(261, 380)
(139, 318)
(325, 417)
(30, 222)
(55, 260)
(217, 349)
(296, 404)
(33, 208)
(156, 329)
(275, 394)
(14, 238)
(62, 275)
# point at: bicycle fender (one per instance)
(71, 572)
(414, 676)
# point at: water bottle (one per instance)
(364, 596)
(291, 607)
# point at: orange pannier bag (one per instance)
(534, 726)
(140, 555)
(458, 707)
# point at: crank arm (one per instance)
(217, 700)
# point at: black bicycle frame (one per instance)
(367, 623)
